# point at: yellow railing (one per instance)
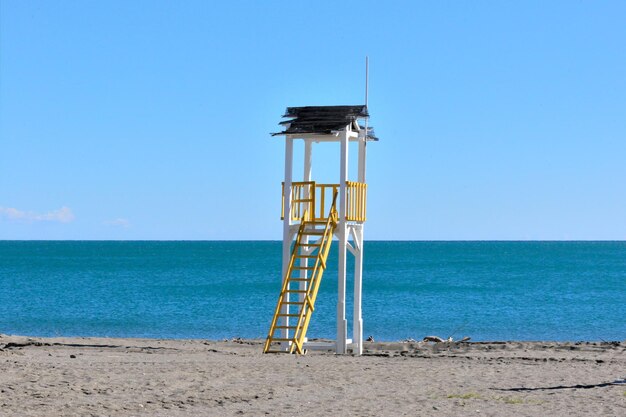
(302, 201)
(311, 201)
(357, 199)
(324, 198)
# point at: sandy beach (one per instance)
(132, 377)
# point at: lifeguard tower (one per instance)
(312, 214)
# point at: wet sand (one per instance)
(133, 377)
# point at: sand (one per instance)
(135, 377)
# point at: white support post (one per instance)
(342, 323)
(284, 332)
(308, 158)
(357, 326)
(362, 154)
(357, 318)
(304, 262)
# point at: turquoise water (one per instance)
(214, 290)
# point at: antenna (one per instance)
(367, 74)
(366, 77)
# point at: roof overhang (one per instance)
(322, 123)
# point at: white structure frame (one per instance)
(349, 234)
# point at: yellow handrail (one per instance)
(284, 288)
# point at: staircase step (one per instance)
(292, 302)
(279, 339)
(312, 240)
(299, 279)
(300, 291)
(310, 253)
(285, 327)
(309, 244)
(288, 315)
(308, 268)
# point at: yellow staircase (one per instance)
(299, 292)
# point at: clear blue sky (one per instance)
(150, 120)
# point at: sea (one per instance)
(557, 291)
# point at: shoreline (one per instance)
(469, 340)
(178, 377)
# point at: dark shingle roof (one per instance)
(322, 119)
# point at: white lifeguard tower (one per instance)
(312, 214)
